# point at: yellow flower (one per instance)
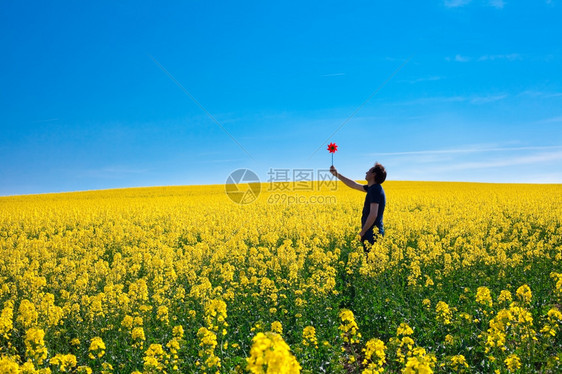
(270, 354)
(127, 322)
(162, 314)
(35, 348)
(155, 358)
(554, 318)
(458, 362)
(524, 293)
(505, 297)
(138, 321)
(406, 345)
(107, 368)
(215, 314)
(404, 329)
(65, 362)
(558, 278)
(9, 365)
(428, 281)
(208, 343)
(6, 319)
(512, 362)
(49, 312)
(554, 315)
(277, 327)
(97, 348)
(138, 337)
(375, 356)
(108, 262)
(420, 362)
(348, 327)
(177, 332)
(483, 296)
(309, 337)
(465, 316)
(443, 313)
(27, 314)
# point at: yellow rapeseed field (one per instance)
(182, 280)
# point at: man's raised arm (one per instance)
(348, 182)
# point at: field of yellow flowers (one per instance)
(182, 280)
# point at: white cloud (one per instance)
(551, 120)
(425, 79)
(532, 93)
(436, 99)
(455, 3)
(547, 178)
(509, 57)
(498, 4)
(494, 164)
(487, 99)
(476, 100)
(474, 148)
(459, 58)
(541, 94)
(539, 158)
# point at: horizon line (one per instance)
(222, 184)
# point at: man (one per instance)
(375, 201)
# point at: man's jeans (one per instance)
(370, 237)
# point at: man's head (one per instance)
(376, 174)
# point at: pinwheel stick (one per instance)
(332, 148)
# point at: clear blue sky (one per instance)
(85, 104)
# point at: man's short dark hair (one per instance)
(380, 173)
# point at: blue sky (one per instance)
(96, 95)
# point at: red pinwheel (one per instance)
(332, 148)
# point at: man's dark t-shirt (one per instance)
(375, 194)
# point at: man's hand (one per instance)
(371, 218)
(334, 171)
